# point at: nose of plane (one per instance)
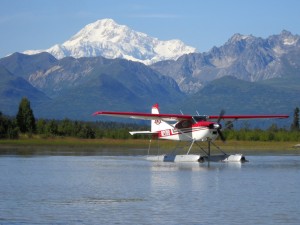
(217, 126)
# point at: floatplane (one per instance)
(188, 128)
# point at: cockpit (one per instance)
(188, 123)
(199, 118)
(184, 124)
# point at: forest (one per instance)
(25, 123)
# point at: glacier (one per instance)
(108, 39)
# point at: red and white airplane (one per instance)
(178, 127)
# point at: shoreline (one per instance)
(75, 146)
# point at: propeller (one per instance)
(219, 127)
(221, 135)
(221, 115)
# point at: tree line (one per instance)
(271, 134)
(25, 123)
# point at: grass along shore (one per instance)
(37, 144)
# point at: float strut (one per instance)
(190, 147)
(208, 149)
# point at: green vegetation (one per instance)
(295, 125)
(24, 125)
(25, 118)
(278, 135)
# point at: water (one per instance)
(131, 190)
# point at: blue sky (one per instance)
(39, 24)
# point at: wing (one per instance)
(179, 117)
(247, 117)
(145, 116)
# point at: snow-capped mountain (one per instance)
(108, 39)
(88, 84)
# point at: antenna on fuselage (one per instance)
(181, 112)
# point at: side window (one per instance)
(186, 123)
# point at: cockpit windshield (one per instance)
(199, 118)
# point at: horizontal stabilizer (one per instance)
(142, 132)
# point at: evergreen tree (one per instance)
(8, 128)
(3, 126)
(295, 124)
(41, 126)
(13, 130)
(51, 128)
(25, 117)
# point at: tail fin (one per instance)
(155, 109)
(157, 125)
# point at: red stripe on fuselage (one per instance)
(171, 132)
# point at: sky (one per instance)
(203, 24)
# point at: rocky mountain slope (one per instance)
(245, 57)
(13, 89)
(245, 75)
(235, 96)
(78, 87)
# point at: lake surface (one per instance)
(131, 190)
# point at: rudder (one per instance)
(157, 125)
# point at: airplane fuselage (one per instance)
(187, 128)
(188, 134)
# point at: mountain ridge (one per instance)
(13, 89)
(243, 56)
(77, 87)
(237, 96)
(265, 71)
